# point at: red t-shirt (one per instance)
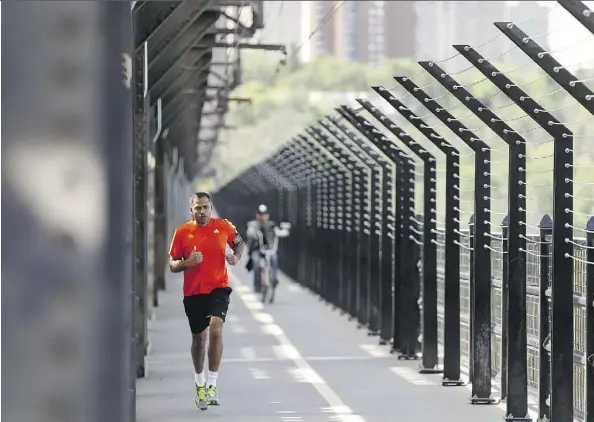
(210, 239)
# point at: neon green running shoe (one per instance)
(211, 394)
(201, 399)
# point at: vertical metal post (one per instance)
(117, 127)
(562, 304)
(429, 297)
(384, 145)
(405, 338)
(161, 219)
(451, 360)
(590, 320)
(481, 381)
(504, 309)
(375, 229)
(562, 361)
(366, 206)
(73, 150)
(472, 277)
(393, 293)
(515, 257)
(545, 282)
(344, 218)
(141, 139)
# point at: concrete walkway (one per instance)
(295, 360)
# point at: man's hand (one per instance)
(194, 259)
(231, 259)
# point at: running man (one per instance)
(199, 250)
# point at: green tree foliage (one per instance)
(286, 100)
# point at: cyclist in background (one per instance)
(262, 230)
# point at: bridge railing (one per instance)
(381, 232)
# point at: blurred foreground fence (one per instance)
(510, 308)
(101, 135)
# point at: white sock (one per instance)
(199, 378)
(212, 378)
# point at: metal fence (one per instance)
(510, 308)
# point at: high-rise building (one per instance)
(364, 31)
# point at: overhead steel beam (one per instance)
(176, 22)
(190, 98)
(231, 2)
(192, 102)
(148, 17)
(185, 119)
(159, 64)
(185, 94)
(240, 29)
(247, 46)
(173, 120)
(186, 63)
(185, 80)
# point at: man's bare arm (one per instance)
(176, 265)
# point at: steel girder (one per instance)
(149, 16)
(181, 44)
(189, 79)
(176, 23)
(170, 62)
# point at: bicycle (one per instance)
(268, 284)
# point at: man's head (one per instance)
(200, 207)
(262, 214)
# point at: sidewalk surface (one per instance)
(295, 360)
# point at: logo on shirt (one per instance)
(190, 236)
(216, 231)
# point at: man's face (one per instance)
(200, 210)
(262, 218)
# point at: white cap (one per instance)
(262, 209)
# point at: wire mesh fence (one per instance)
(452, 216)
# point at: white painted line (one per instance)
(249, 360)
(306, 375)
(247, 353)
(272, 329)
(285, 411)
(263, 318)
(259, 374)
(336, 404)
(332, 358)
(288, 356)
(238, 329)
(284, 352)
(232, 318)
(375, 350)
(413, 376)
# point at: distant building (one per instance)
(368, 31)
(364, 31)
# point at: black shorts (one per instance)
(199, 308)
